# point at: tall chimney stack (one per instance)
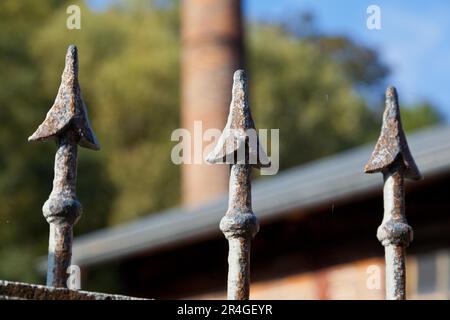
(212, 49)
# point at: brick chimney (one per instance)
(212, 49)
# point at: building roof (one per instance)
(328, 180)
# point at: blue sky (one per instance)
(413, 40)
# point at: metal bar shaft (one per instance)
(59, 255)
(395, 272)
(62, 210)
(239, 226)
(66, 158)
(240, 189)
(394, 232)
(238, 287)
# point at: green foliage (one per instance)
(129, 76)
(360, 64)
(129, 79)
(420, 116)
(23, 168)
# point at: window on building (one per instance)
(427, 273)
(433, 275)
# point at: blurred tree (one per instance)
(306, 94)
(316, 89)
(360, 64)
(129, 75)
(420, 115)
(24, 169)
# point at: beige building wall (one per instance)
(360, 280)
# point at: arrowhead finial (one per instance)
(68, 111)
(392, 141)
(240, 131)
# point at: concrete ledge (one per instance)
(24, 291)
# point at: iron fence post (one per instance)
(66, 122)
(393, 159)
(237, 148)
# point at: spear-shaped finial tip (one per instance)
(72, 54)
(392, 142)
(71, 60)
(391, 92)
(239, 76)
(239, 131)
(72, 49)
(68, 111)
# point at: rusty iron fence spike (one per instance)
(393, 159)
(68, 108)
(66, 122)
(239, 224)
(392, 141)
(239, 123)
